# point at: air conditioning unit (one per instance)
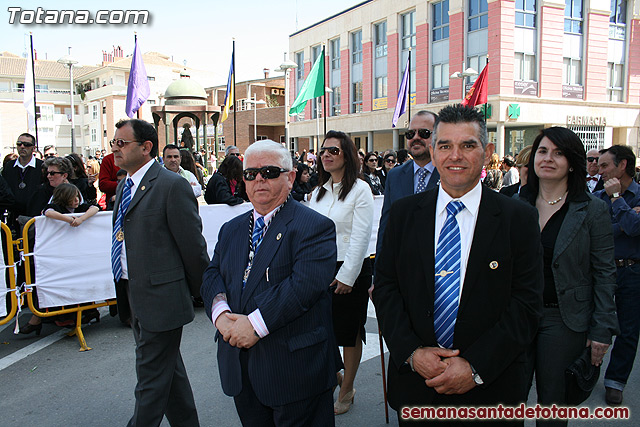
(275, 91)
(282, 92)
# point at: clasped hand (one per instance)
(236, 329)
(443, 370)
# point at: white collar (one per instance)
(139, 174)
(471, 199)
(32, 163)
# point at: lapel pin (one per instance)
(493, 265)
(143, 188)
(279, 236)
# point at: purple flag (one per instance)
(138, 88)
(401, 102)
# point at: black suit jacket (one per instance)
(500, 305)
(32, 179)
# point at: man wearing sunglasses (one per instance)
(158, 255)
(23, 177)
(266, 291)
(414, 176)
(594, 180)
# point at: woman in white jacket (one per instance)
(347, 200)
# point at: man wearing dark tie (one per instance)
(459, 281)
(158, 255)
(414, 176)
(594, 180)
(267, 292)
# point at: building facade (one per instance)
(100, 93)
(571, 63)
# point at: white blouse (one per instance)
(353, 218)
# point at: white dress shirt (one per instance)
(466, 218)
(136, 178)
(353, 218)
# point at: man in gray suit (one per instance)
(158, 256)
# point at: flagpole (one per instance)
(33, 70)
(409, 91)
(135, 45)
(233, 65)
(324, 91)
(486, 103)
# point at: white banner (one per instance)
(73, 264)
(3, 284)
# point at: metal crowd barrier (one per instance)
(10, 271)
(26, 291)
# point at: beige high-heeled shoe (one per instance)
(343, 405)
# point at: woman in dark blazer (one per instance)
(579, 269)
(226, 185)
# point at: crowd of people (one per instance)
(488, 273)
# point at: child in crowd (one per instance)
(66, 200)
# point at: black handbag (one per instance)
(580, 378)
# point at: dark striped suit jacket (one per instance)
(289, 283)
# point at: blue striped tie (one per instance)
(256, 238)
(116, 245)
(447, 282)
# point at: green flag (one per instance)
(313, 86)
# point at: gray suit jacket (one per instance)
(584, 270)
(166, 252)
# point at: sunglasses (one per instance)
(389, 160)
(372, 160)
(54, 173)
(423, 133)
(24, 144)
(267, 172)
(49, 155)
(234, 154)
(121, 142)
(592, 159)
(334, 151)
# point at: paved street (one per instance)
(47, 381)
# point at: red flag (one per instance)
(478, 93)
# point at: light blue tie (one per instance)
(447, 280)
(116, 245)
(422, 180)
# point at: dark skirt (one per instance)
(350, 310)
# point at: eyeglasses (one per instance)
(24, 144)
(54, 173)
(234, 154)
(121, 142)
(267, 172)
(389, 160)
(592, 159)
(334, 151)
(422, 133)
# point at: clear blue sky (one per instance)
(196, 31)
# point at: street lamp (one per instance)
(255, 115)
(70, 62)
(469, 72)
(285, 68)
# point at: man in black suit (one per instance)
(23, 176)
(158, 256)
(459, 281)
(594, 180)
(270, 300)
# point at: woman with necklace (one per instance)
(579, 270)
